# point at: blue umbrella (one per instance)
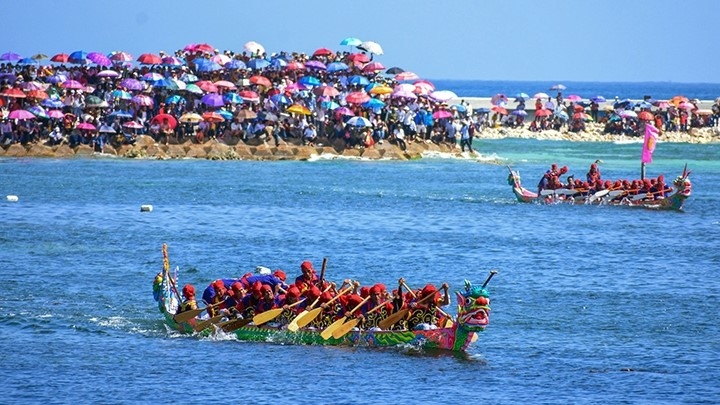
(483, 110)
(522, 95)
(350, 41)
(309, 81)
(330, 105)
(56, 78)
(460, 107)
(79, 57)
(336, 67)
(521, 113)
(257, 64)
(206, 65)
(121, 94)
(235, 64)
(38, 111)
(598, 99)
(373, 103)
(644, 104)
(213, 100)
(28, 61)
(278, 63)
(360, 80)
(120, 114)
(175, 99)
(280, 99)
(359, 122)
(166, 83)
(189, 78)
(225, 114)
(52, 103)
(232, 98)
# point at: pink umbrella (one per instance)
(573, 98)
(121, 57)
(404, 94)
(132, 124)
(142, 99)
(440, 114)
(249, 95)
(686, 106)
(295, 66)
(207, 86)
(149, 59)
(328, 91)
(226, 84)
(443, 95)
(71, 84)
(498, 99)
(86, 125)
(296, 87)
(663, 104)
(344, 111)
(55, 114)
(406, 76)
(373, 67)
(357, 97)
(108, 73)
(21, 115)
(220, 59)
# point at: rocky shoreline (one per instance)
(147, 148)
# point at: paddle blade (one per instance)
(266, 316)
(330, 329)
(204, 324)
(309, 317)
(237, 324)
(293, 326)
(391, 320)
(188, 315)
(345, 328)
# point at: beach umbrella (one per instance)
(322, 52)
(39, 56)
(120, 56)
(373, 67)
(541, 95)
(249, 95)
(350, 41)
(499, 99)
(258, 64)
(225, 84)
(193, 88)
(10, 57)
(443, 95)
(598, 99)
(357, 97)
(523, 96)
(132, 125)
(204, 47)
(543, 112)
(14, 92)
(71, 84)
(280, 99)
(212, 116)
(403, 94)
(86, 126)
(57, 114)
(175, 99)
(28, 62)
(166, 83)
(359, 80)
(359, 122)
(246, 114)
(213, 100)
(132, 84)
(142, 100)
(220, 59)
(441, 114)
(207, 66)
(372, 47)
(108, 73)
(645, 105)
(406, 76)
(573, 98)
(685, 106)
(152, 77)
(326, 91)
(299, 109)
(21, 115)
(558, 87)
(520, 113)
(394, 70)
(278, 63)
(628, 114)
(99, 58)
(647, 115)
(295, 65)
(377, 88)
(52, 103)
(172, 61)
(261, 80)
(373, 103)
(337, 67)
(232, 98)
(225, 114)
(121, 94)
(120, 114)
(254, 47)
(149, 59)
(500, 110)
(38, 111)
(235, 64)
(160, 118)
(329, 105)
(344, 111)
(309, 81)
(207, 86)
(56, 78)
(358, 58)
(315, 64)
(60, 58)
(79, 57)
(33, 85)
(191, 118)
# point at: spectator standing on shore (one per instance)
(465, 137)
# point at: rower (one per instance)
(378, 295)
(189, 303)
(425, 315)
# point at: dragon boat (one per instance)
(674, 201)
(472, 318)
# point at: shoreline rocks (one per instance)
(147, 148)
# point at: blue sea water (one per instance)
(592, 304)
(623, 90)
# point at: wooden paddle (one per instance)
(600, 194)
(391, 320)
(492, 273)
(187, 315)
(349, 325)
(269, 315)
(311, 315)
(330, 329)
(322, 272)
(293, 326)
(204, 324)
(235, 324)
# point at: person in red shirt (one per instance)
(308, 277)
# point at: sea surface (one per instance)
(609, 90)
(591, 304)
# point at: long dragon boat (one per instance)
(620, 197)
(472, 318)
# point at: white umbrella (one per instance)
(254, 47)
(372, 47)
(443, 95)
(359, 122)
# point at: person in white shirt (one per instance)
(309, 135)
(399, 134)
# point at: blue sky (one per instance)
(551, 40)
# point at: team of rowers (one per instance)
(647, 188)
(254, 294)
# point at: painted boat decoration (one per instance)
(666, 200)
(457, 336)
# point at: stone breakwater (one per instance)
(147, 148)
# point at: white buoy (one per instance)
(12, 198)
(146, 208)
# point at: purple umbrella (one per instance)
(99, 59)
(132, 84)
(11, 56)
(86, 125)
(57, 78)
(72, 84)
(21, 115)
(213, 100)
(315, 64)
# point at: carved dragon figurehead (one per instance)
(473, 307)
(683, 184)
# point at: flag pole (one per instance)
(642, 171)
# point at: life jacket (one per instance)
(187, 305)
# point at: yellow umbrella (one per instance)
(299, 109)
(381, 90)
(191, 117)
